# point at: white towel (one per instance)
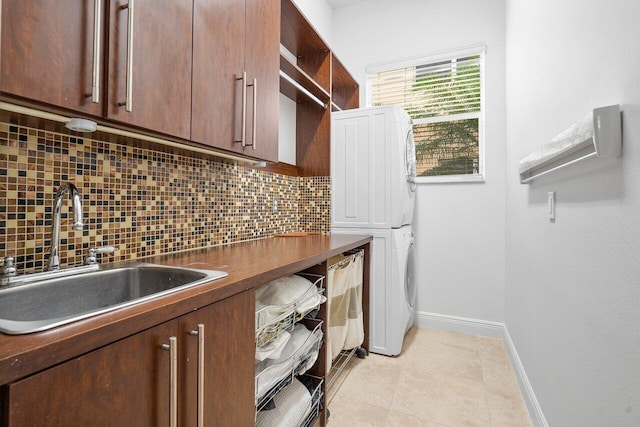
(293, 403)
(273, 349)
(275, 299)
(271, 371)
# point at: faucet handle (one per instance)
(8, 268)
(91, 256)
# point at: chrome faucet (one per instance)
(54, 257)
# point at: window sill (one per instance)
(450, 179)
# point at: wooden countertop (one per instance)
(249, 264)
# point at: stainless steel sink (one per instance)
(53, 302)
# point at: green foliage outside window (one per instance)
(444, 101)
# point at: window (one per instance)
(443, 95)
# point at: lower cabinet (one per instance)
(135, 382)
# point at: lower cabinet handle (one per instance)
(200, 334)
(173, 383)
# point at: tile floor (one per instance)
(441, 379)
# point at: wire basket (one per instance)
(269, 326)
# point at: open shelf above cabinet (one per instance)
(297, 85)
(299, 37)
(345, 92)
(312, 76)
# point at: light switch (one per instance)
(551, 205)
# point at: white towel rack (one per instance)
(598, 134)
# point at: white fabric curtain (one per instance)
(345, 328)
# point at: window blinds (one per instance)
(438, 89)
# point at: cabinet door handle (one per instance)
(243, 131)
(128, 103)
(97, 33)
(200, 334)
(255, 112)
(173, 383)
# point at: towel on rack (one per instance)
(273, 348)
(301, 347)
(275, 299)
(293, 404)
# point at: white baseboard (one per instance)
(491, 329)
(535, 411)
(464, 325)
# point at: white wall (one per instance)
(319, 13)
(573, 286)
(460, 228)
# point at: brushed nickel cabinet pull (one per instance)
(97, 33)
(200, 334)
(172, 347)
(128, 103)
(243, 132)
(255, 113)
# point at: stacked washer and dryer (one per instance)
(373, 192)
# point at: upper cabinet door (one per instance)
(150, 64)
(262, 47)
(236, 49)
(51, 52)
(218, 60)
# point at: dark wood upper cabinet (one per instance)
(47, 53)
(168, 67)
(150, 64)
(218, 59)
(236, 61)
(262, 47)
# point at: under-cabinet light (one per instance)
(81, 125)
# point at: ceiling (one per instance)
(335, 4)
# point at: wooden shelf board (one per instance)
(340, 76)
(297, 34)
(297, 74)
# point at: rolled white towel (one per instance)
(274, 300)
(271, 371)
(274, 348)
(292, 404)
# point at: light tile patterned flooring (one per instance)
(441, 379)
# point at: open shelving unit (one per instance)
(345, 92)
(319, 84)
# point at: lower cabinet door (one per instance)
(228, 370)
(126, 383)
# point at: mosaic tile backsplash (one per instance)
(141, 201)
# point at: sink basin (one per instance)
(53, 302)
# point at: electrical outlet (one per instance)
(275, 204)
(551, 205)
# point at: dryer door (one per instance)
(409, 282)
(410, 160)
